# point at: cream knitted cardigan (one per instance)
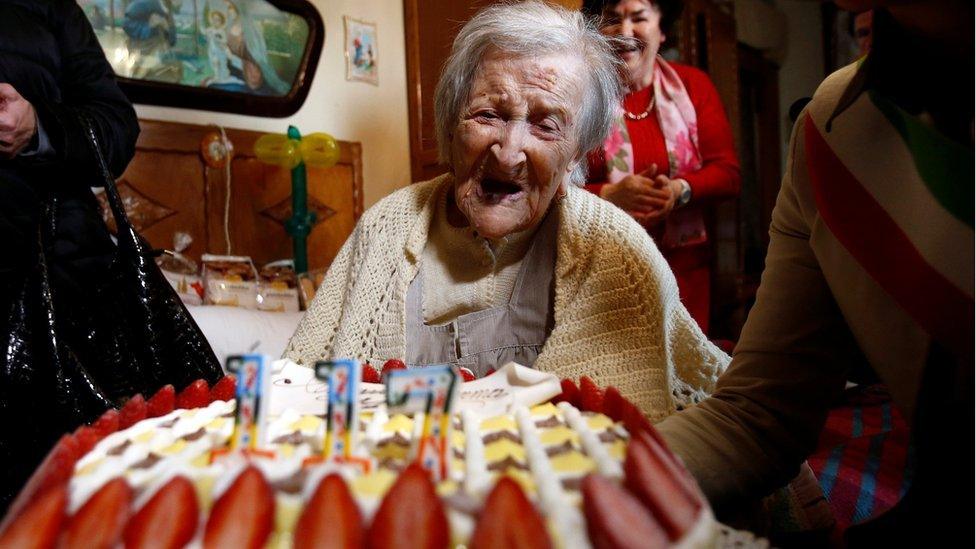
(618, 318)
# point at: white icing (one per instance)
(477, 480)
(595, 449)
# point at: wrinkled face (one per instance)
(639, 20)
(514, 146)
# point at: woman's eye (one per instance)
(547, 126)
(487, 115)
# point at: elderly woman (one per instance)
(505, 258)
(670, 150)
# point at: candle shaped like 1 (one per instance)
(434, 391)
(342, 414)
(252, 396)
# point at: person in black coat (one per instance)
(52, 69)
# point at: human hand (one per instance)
(18, 122)
(670, 190)
(636, 192)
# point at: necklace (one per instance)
(643, 115)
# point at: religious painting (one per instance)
(361, 51)
(246, 56)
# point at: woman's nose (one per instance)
(509, 149)
(625, 28)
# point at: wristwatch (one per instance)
(685, 195)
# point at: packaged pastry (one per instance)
(230, 280)
(278, 287)
(181, 271)
(308, 283)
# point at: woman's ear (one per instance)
(561, 191)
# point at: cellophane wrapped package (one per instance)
(278, 287)
(181, 271)
(230, 280)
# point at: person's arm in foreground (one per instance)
(767, 410)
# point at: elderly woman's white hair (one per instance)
(530, 29)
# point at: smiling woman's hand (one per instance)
(636, 193)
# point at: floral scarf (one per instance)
(679, 124)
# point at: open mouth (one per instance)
(625, 45)
(496, 190)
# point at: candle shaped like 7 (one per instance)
(434, 391)
(252, 396)
(342, 412)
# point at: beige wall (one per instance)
(376, 116)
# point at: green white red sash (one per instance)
(899, 197)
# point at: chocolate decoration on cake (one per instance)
(392, 464)
(506, 463)
(294, 438)
(572, 483)
(195, 435)
(148, 461)
(168, 424)
(397, 439)
(120, 449)
(610, 435)
(501, 435)
(563, 448)
(549, 423)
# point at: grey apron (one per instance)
(492, 337)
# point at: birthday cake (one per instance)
(516, 459)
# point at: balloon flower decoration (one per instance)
(294, 152)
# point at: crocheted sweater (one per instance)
(617, 315)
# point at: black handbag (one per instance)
(67, 357)
(146, 326)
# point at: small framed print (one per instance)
(362, 54)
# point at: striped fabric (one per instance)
(863, 460)
(898, 196)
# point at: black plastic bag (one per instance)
(67, 357)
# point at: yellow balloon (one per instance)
(320, 150)
(278, 150)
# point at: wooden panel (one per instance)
(707, 40)
(430, 28)
(162, 202)
(169, 188)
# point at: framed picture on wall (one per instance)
(243, 56)
(362, 54)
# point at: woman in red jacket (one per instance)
(671, 150)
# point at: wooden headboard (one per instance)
(168, 188)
